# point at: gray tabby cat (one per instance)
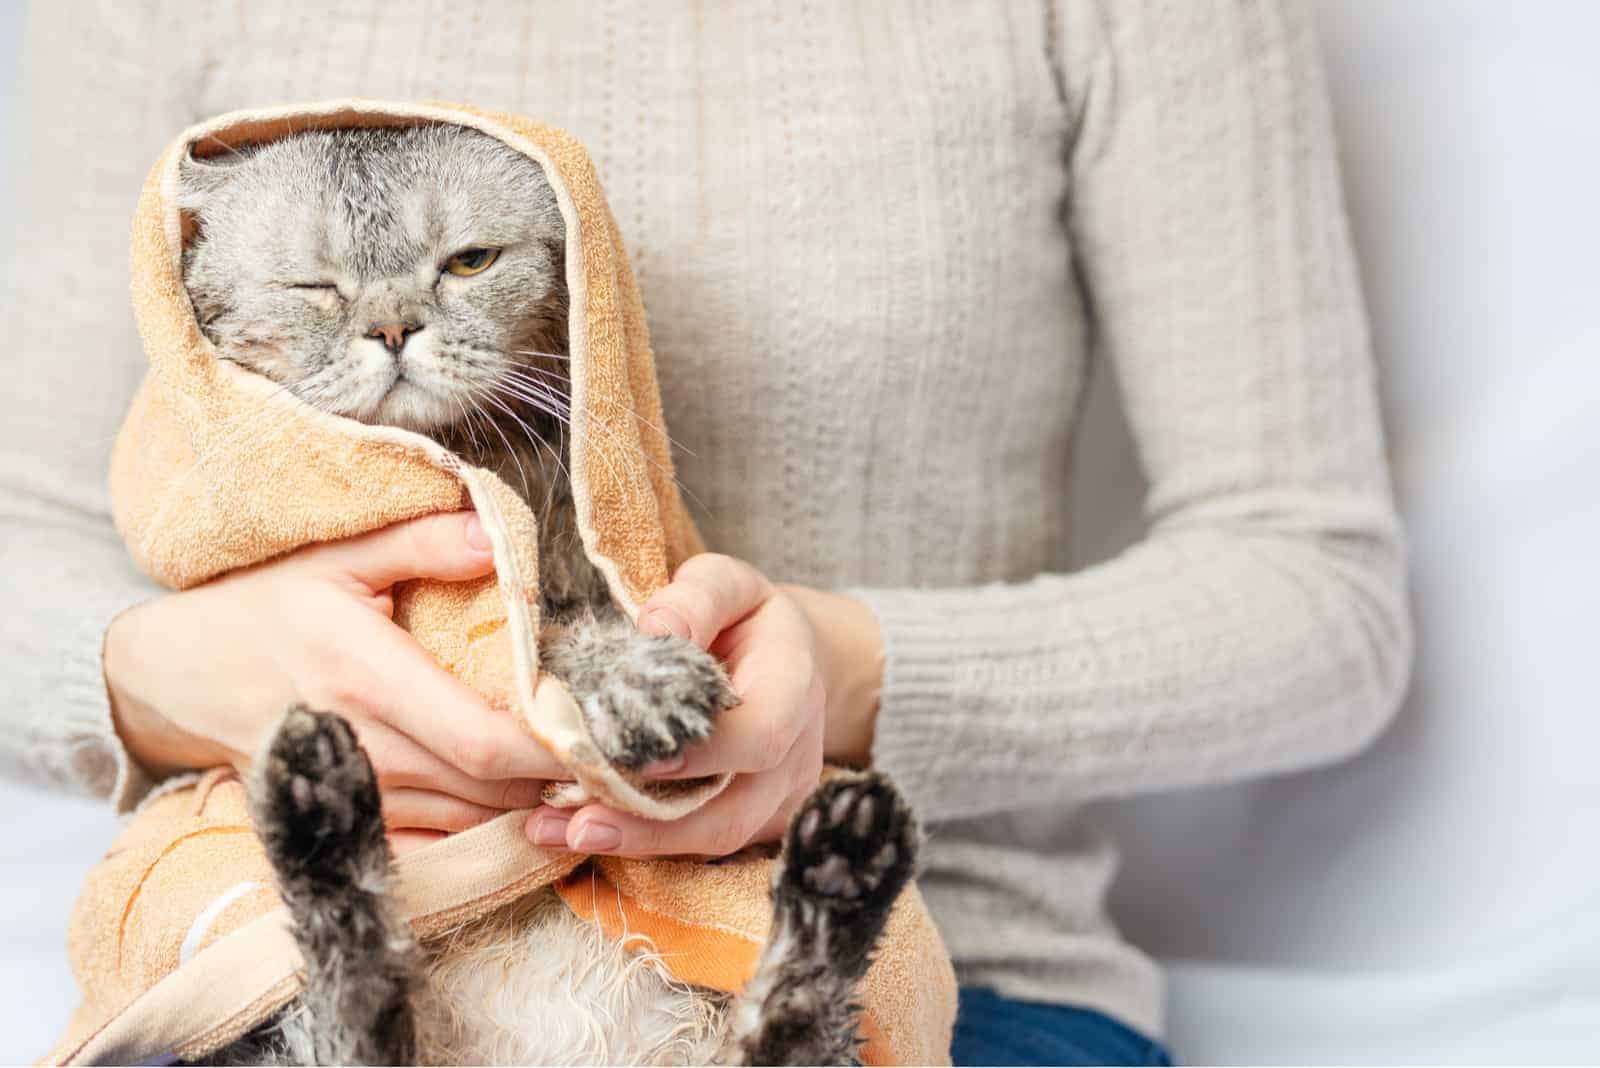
(415, 278)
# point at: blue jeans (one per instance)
(991, 1029)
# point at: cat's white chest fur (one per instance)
(535, 984)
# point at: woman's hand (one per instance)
(806, 665)
(197, 679)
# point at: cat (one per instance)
(414, 277)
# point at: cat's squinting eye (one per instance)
(471, 261)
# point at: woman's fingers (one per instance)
(404, 841)
(435, 709)
(401, 762)
(772, 666)
(708, 593)
(451, 546)
(428, 810)
(772, 740)
(722, 826)
(384, 674)
(752, 808)
(757, 734)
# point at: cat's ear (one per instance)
(199, 179)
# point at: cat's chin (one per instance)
(412, 407)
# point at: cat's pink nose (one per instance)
(393, 335)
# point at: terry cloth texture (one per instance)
(178, 942)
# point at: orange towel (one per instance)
(178, 941)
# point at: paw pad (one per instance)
(316, 798)
(854, 841)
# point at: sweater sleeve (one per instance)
(1261, 625)
(102, 89)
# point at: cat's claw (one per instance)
(663, 694)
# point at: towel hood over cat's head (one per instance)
(196, 491)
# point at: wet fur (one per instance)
(369, 217)
(532, 983)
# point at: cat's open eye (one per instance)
(471, 261)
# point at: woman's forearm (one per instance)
(55, 725)
(1199, 656)
(137, 651)
(850, 659)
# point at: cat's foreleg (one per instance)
(848, 852)
(315, 801)
(642, 697)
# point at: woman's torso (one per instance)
(846, 222)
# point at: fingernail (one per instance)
(597, 838)
(550, 829)
(668, 766)
(477, 537)
(661, 622)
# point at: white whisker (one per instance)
(551, 377)
(538, 442)
(527, 491)
(540, 390)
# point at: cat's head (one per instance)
(397, 276)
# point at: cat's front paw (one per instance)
(316, 799)
(655, 696)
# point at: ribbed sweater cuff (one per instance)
(94, 733)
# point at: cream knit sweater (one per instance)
(879, 243)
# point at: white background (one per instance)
(1437, 899)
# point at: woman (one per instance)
(877, 243)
